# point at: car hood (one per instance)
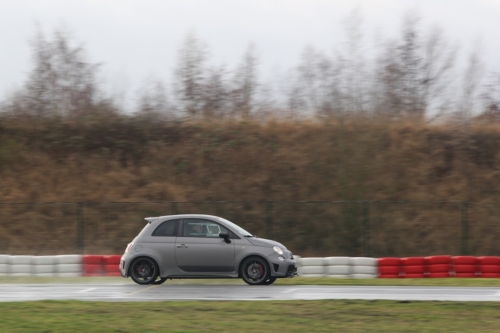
(264, 242)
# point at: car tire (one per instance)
(255, 271)
(144, 270)
(269, 281)
(160, 281)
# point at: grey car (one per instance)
(203, 246)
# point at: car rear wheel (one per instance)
(255, 271)
(160, 281)
(144, 271)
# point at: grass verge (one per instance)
(216, 316)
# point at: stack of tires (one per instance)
(389, 268)
(20, 265)
(92, 265)
(363, 268)
(489, 267)
(4, 267)
(111, 265)
(311, 267)
(413, 267)
(464, 266)
(69, 265)
(44, 265)
(337, 267)
(438, 266)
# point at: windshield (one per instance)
(239, 229)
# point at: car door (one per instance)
(199, 250)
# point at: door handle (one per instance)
(181, 246)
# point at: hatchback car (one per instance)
(203, 246)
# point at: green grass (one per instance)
(451, 282)
(250, 316)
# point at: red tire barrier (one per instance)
(413, 261)
(438, 260)
(92, 259)
(439, 268)
(464, 260)
(489, 275)
(388, 270)
(388, 276)
(92, 270)
(489, 269)
(111, 260)
(465, 275)
(488, 261)
(112, 270)
(414, 276)
(464, 269)
(388, 261)
(439, 275)
(414, 269)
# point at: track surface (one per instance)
(129, 292)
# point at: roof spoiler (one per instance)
(151, 219)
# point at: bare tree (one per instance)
(153, 101)
(415, 70)
(216, 93)
(245, 83)
(190, 74)
(471, 84)
(62, 82)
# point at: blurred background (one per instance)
(338, 130)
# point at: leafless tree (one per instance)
(190, 74)
(62, 82)
(245, 83)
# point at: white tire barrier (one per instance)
(20, 270)
(307, 270)
(338, 270)
(364, 270)
(4, 259)
(4, 269)
(44, 260)
(44, 269)
(69, 268)
(334, 261)
(362, 261)
(20, 260)
(311, 262)
(69, 259)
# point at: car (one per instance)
(203, 246)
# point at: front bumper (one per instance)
(123, 271)
(282, 268)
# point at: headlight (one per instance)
(278, 250)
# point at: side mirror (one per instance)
(225, 235)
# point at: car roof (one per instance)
(181, 216)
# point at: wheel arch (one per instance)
(139, 257)
(253, 255)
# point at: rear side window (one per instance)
(168, 228)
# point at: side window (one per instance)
(168, 228)
(202, 228)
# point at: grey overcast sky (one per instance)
(137, 39)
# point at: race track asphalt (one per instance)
(166, 292)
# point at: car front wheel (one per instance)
(255, 271)
(144, 271)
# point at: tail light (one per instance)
(128, 247)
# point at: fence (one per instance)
(314, 228)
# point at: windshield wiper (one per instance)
(248, 236)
